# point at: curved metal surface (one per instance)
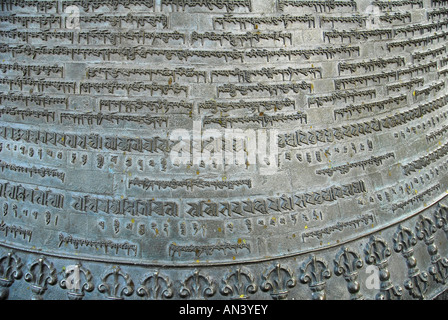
(220, 149)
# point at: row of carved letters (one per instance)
(388, 33)
(187, 183)
(136, 207)
(115, 161)
(114, 20)
(148, 227)
(131, 53)
(424, 161)
(86, 118)
(41, 171)
(229, 5)
(409, 188)
(212, 105)
(154, 21)
(121, 161)
(418, 198)
(343, 169)
(286, 20)
(152, 145)
(67, 86)
(195, 227)
(384, 75)
(117, 37)
(432, 122)
(369, 106)
(232, 89)
(110, 144)
(8, 5)
(431, 159)
(424, 41)
(156, 122)
(244, 75)
(299, 138)
(86, 87)
(51, 172)
(49, 219)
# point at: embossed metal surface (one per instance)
(223, 149)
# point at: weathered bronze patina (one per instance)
(223, 149)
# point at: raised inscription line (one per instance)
(173, 265)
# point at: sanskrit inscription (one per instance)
(218, 132)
